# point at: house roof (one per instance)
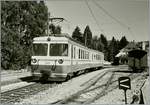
(126, 49)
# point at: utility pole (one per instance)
(48, 23)
(85, 38)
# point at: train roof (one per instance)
(48, 38)
(60, 37)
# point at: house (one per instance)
(123, 54)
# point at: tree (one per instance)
(58, 30)
(104, 41)
(94, 43)
(55, 29)
(21, 22)
(87, 36)
(101, 46)
(77, 35)
(112, 49)
(52, 28)
(123, 42)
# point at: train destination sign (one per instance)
(124, 83)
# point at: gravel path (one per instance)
(13, 76)
(14, 86)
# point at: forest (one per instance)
(21, 21)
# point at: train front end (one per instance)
(50, 60)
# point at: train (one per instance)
(60, 57)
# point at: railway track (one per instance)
(94, 92)
(88, 87)
(16, 95)
(73, 98)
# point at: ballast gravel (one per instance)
(65, 89)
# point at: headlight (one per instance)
(60, 61)
(34, 60)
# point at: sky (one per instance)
(109, 17)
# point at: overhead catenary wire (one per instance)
(106, 12)
(91, 12)
(117, 20)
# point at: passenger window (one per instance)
(79, 53)
(83, 54)
(74, 52)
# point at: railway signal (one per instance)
(124, 83)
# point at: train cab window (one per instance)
(58, 49)
(40, 49)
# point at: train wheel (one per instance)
(87, 70)
(75, 74)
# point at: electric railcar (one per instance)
(60, 57)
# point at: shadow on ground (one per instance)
(127, 71)
(33, 79)
(124, 71)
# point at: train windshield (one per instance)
(40, 49)
(58, 49)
